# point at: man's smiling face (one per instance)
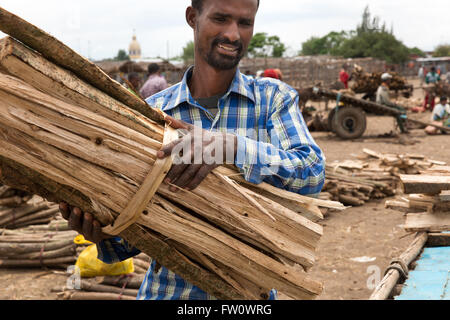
(223, 31)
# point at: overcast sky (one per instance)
(98, 28)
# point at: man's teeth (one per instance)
(227, 48)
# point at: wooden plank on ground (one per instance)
(430, 222)
(424, 184)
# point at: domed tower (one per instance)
(134, 50)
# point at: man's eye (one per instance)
(220, 19)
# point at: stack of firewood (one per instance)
(373, 176)
(34, 211)
(369, 82)
(10, 197)
(124, 287)
(426, 200)
(32, 248)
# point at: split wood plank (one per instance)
(430, 222)
(424, 184)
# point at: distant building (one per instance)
(134, 50)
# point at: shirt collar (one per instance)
(240, 85)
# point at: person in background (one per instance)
(271, 73)
(431, 78)
(421, 75)
(344, 77)
(280, 74)
(447, 77)
(155, 82)
(134, 82)
(384, 98)
(440, 117)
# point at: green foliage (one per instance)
(442, 50)
(263, 45)
(370, 39)
(188, 53)
(122, 56)
(328, 45)
(418, 52)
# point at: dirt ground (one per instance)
(370, 232)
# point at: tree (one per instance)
(370, 39)
(328, 45)
(442, 50)
(188, 53)
(416, 51)
(122, 56)
(263, 45)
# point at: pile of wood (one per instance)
(70, 133)
(35, 211)
(123, 287)
(104, 288)
(10, 197)
(426, 200)
(373, 176)
(369, 82)
(31, 248)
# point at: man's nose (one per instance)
(232, 32)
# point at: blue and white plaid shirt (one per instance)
(274, 146)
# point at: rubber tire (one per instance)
(356, 117)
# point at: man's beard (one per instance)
(224, 62)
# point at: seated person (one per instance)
(440, 117)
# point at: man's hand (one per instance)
(83, 223)
(197, 153)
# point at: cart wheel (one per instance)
(351, 122)
(331, 120)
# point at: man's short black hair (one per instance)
(152, 68)
(197, 4)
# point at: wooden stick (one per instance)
(94, 287)
(36, 263)
(80, 295)
(384, 289)
(131, 281)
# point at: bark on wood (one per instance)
(94, 287)
(130, 281)
(80, 295)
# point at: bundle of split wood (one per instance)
(426, 200)
(373, 176)
(10, 197)
(69, 132)
(123, 287)
(369, 82)
(31, 248)
(36, 211)
(104, 288)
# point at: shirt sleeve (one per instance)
(290, 159)
(115, 250)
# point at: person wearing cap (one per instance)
(271, 73)
(384, 99)
(440, 117)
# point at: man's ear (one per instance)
(191, 16)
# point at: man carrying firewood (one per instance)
(222, 114)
